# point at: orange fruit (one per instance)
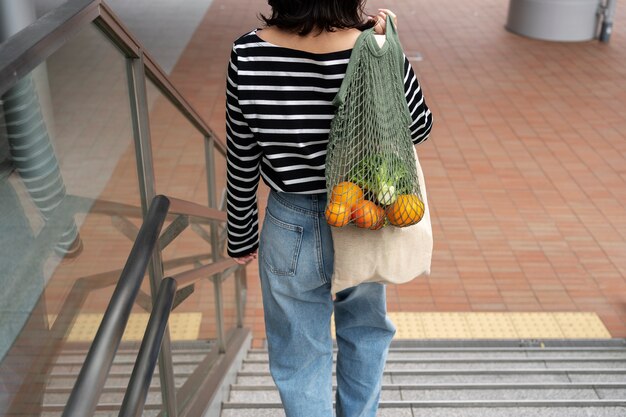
(381, 221)
(408, 209)
(337, 214)
(366, 214)
(346, 192)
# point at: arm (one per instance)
(243, 172)
(420, 114)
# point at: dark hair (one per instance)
(304, 16)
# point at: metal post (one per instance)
(141, 129)
(15, 15)
(607, 20)
(27, 113)
(209, 160)
(209, 154)
(240, 294)
(145, 170)
(219, 313)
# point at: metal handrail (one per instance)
(24, 51)
(84, 397)
(90, 382)
(139, 385)
(82, 287)
(188, 208)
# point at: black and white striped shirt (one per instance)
(278, 114)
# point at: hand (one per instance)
(381, 20)
(245, 259)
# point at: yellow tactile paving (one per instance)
(576, 325)
(437, 325)
(183, 326)
(410, 325)
(413, 329)
(490, 324)
(542, 325)
(497, 325)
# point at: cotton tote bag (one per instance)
(393, 255)
(390, 254)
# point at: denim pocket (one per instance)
(281, 245)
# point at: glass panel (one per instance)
(178, 151)
(69, 200)
(179, 154)
(179, 157)
(229, 285)
(190, 250)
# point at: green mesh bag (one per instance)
(371, 175)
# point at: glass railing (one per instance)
(90, 131)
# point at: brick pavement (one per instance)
(524, 168)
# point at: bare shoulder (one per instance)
(324, 42)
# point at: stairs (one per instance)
(186, 357)
(473, 379)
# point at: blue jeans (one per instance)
(296, 265)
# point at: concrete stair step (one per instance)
(110, 396)
(619, 354)
(130, 358)
(113, 381)
(438, 376)
(102, 407)
(111, 413)
(494, 363)
(442, 392)
(63, 376)
(184, 367)
(616, 347)
(461, 410)
(472, 378)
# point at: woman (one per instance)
(281, 82)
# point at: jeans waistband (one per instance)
(307, 204)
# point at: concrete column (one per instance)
(554, 20)
(15, 15)
(23, 313)
(28, 134)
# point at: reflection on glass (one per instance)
(179, 158)
(69, 204)
(69, 214)
(177, 151)
(191, 250)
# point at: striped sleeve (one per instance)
(243, 172)
(420, 114)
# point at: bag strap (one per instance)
(366, 43)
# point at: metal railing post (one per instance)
(240, 294)
(608, 12)
(219, 313)
(145, 170)
(209, 155)
(209, 160)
